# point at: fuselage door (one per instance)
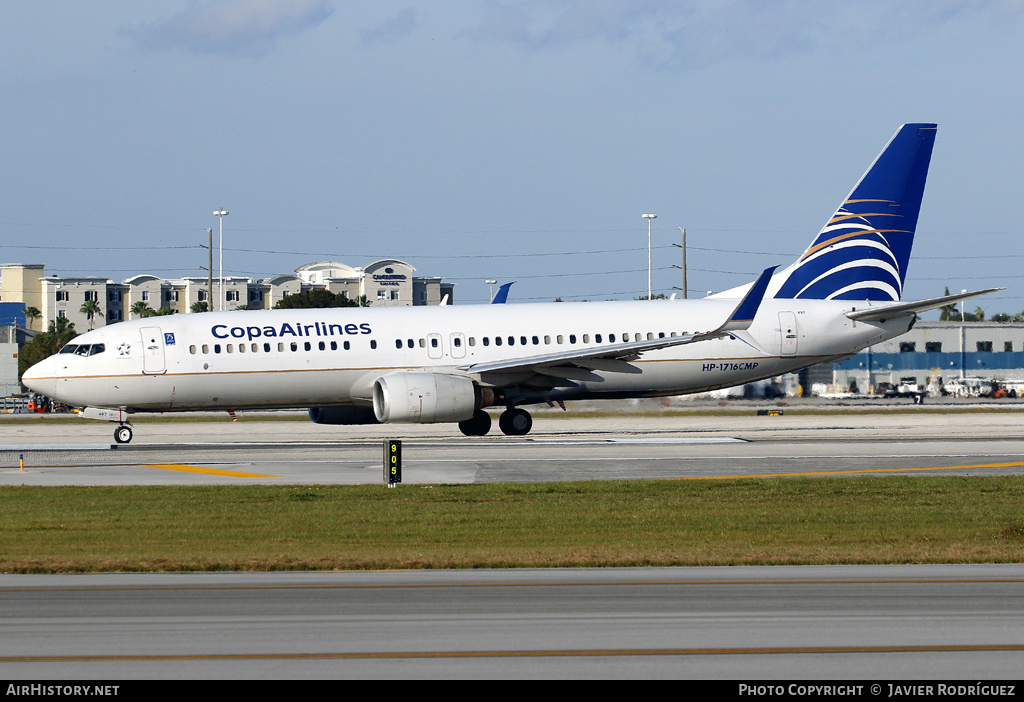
(153, 362)
(788, 330)
(458, 342)
(434, 349)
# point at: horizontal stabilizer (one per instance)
(876, 314)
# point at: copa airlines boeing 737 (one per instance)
(446, 364)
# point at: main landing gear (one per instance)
(123, 434)
(513, 421)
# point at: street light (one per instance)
(221, 213)
(649, 217)
(491, 289)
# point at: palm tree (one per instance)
(32, 314)
(90, 308)
(140, 308)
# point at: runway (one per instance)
(619, 448)
(872, 623)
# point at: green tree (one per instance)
(947, 312)
(977, 316)
(44, 345)
(315, 298)
(90, 308)
(201, 306)
(140, 308)
(32, 314)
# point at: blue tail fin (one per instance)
(863, 250)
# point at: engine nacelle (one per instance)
(342, 414)
(424, 398)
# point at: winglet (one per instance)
(743, 315)
(502, 295)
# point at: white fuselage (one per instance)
(323, 357)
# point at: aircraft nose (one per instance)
(40, 378)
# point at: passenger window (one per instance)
(497, 341)
(266, 348)
(231, 348)
(295, 346)
(347, 346)
(597, 338)
(522, 340)
(241, 348)
(206, 348)
(433, 343)
(611, 338)
(373, 343)
(307, 346)
(456, 342)
(559, 339)
(547, 339)
(536, 341)
(280, 346)
(398, 343)
(216, 348)
(322, 346)
(511, 341)
(586, 338)
(572, 338)
(334, 346)
(472, 341)
(487, 341)
(409, 343)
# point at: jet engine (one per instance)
(424, 398)
(342, 414)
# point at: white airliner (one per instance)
(449, 363)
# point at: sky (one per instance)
(514, 141)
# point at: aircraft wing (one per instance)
(616, 357)
(874, 314)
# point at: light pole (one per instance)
(490, 283)
(649, 217)
(221, 213)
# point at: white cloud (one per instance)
(693, 33)
(245, 27)
(394, 29)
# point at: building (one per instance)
(384, 283)
(933, 350)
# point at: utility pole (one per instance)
(684, 261)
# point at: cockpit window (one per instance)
(84, 349)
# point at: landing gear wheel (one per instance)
(515, 422)
(123, 434)
(477, 425)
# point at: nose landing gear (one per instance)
(123, 434)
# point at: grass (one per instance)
(636, 523)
